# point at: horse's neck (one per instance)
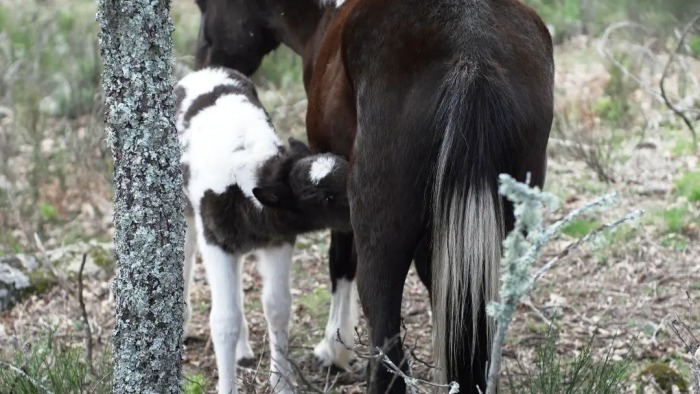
(295, 22)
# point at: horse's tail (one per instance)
(480, 119)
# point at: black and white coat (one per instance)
(246, 192)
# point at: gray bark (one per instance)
(136, 48)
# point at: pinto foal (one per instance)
(246, 192)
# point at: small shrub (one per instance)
(594, 149)
(664, 376)
(553, 374)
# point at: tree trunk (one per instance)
(136, 48)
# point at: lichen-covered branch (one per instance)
(523, 247)
(136, 49)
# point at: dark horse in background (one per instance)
(430, 100)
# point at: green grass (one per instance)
(674, 222)
(54, 365)
(196, 384)
(580, 227)
(682, 147)
(675, 242)
(675, 219)
(688, 186)
(316, 303)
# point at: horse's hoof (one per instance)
(334, 369)
(326, 356)
(246, 362)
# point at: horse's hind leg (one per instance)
(386, 211)
(274, 265)
(343, 314)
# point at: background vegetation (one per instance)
(612, 132)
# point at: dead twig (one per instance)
(415, 357)
(86, 321)
(527, 302)
(668, 103)
(409, 380)
(300, 375)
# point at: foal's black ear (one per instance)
(275, 196)
(297, 146)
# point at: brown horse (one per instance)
(430, 100)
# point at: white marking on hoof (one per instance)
(341, 321)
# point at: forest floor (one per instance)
(620, 290)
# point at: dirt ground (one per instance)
(621, 290)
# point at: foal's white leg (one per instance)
(274, 265)
(341, 321)
(190, 249)
(226, 316)
(244, 352)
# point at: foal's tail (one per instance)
(480, 121)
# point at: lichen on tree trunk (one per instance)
(136, 48)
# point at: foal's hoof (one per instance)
(247, 362)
